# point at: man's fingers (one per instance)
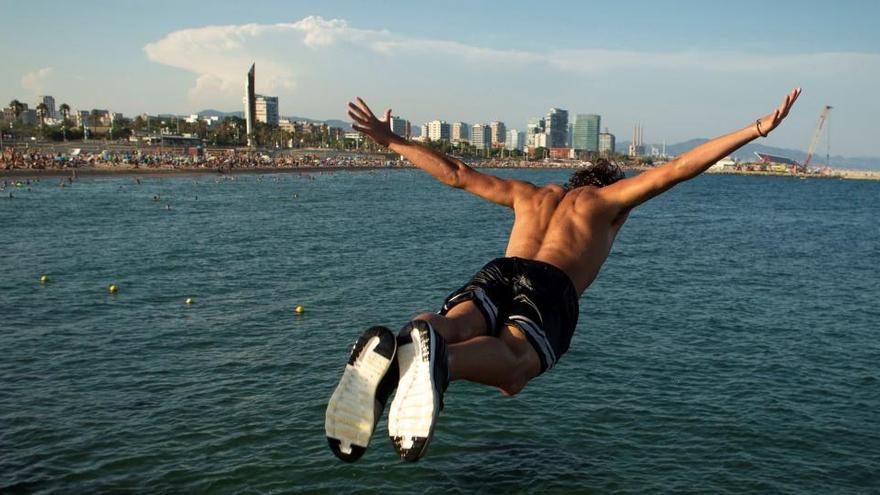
(357, 118)
(357, 111)
(387, 115)
(364, 107)
(358, 127)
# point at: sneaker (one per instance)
(359, 400)
(424, 376)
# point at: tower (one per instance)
(250, 110)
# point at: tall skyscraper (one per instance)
(250, 108)
(461, 132)
(497, 133)
(556, 127)
(585, 132)
(481, 136)
(606, 143)
(438, 130)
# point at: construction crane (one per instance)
(819, 126)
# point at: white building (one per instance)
(439, 130)
(515, 140)
(498, 132)
(606, 143)
(267, 109)
(461, 132)
(481, 136)
(542, 140)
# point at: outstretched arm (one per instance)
(631, 192)
(448, 170)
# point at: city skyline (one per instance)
(698, 79)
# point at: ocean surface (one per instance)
(731, 343)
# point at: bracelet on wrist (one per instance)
(758, 127)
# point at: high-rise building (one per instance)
(439, 130)
(461, 132)
(400, 126)
(481, 136)
(50, 105)
(556, 127)
(585, 135)
(267, 109)
(606, 143)
(497, 134)
(514, 140)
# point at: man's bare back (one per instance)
(572, 230)
(515, 318)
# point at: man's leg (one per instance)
(463, 322)
(507, 362)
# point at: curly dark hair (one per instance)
(599, 174)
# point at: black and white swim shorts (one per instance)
(536, 297)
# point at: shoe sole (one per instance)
(416, 404)
(352, 410)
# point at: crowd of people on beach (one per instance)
(224, 160)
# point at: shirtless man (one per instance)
(514, 320)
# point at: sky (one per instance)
(682, 69)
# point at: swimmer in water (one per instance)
(515, 318)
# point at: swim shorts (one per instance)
(536, 297)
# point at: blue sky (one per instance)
(683, 69)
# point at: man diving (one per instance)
(515, 318)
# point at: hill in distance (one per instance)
(748, 151)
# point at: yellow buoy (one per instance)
(113, 288)
(299, 309)
(189, 300)
(44, 279)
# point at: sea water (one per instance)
(730, 344)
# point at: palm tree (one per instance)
(42, 112)
(65, 115)
(17, 107)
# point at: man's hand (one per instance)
(367, 123)
(772, 120)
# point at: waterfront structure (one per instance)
(585, 132)
(497, 134)
(50, 105)
(514, 140)
(439, 130)
(556, 127)
(606, 143)
(481, 136)
(250, 107)
(636, 146)
(461, 132)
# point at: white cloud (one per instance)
(36, 81)
(218, 54)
